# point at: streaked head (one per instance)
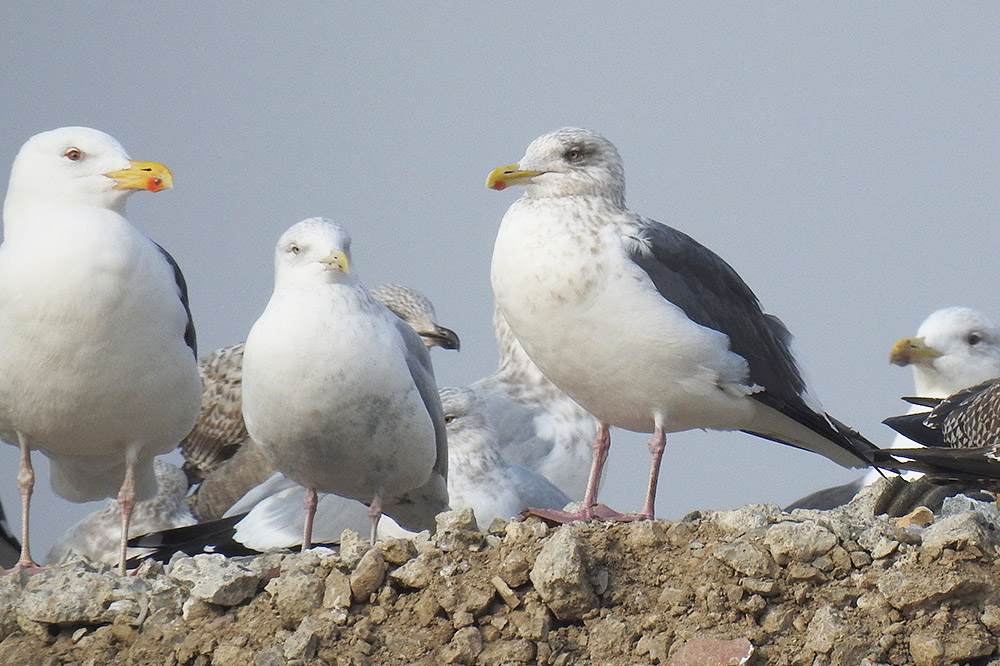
(314, 250)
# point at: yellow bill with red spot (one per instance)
(151, 176)
(912, 350)
(503, 177)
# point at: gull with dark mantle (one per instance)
(339, 392)
(97, 349)
(644, 327)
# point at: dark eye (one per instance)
(448, 418)
(974, 339)
(294, 249)
(73, 154)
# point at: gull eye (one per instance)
(294, 249)
(73, 154)
(974, 339)
(448, 418)
(573, 154)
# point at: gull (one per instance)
(90, 537)
(97, 349)
(338, 392)
(218, 453)
(954, 348)
(637, 322)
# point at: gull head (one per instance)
(954, 348)
(567, 162)
(416, 310)
(78, 166)
(315, 250)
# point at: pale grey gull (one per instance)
(218, 452)
(339, 392)
(91, 536)
(644, 327)
(97, 349)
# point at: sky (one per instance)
(844, 158)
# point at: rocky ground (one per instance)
(753, 585)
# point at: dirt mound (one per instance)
(833, 587)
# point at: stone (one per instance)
(397, 551)
(705, 650)
(746, 518)
(464, 647)
(560, 578)
(960, 532)
(352, 548)
(75, 595)
(215, 580)
(415, 574)
(798, 542)
(905, 589)
(826, 629)
(337, 590)
(296, 593)
(368, 576)
(744, 558)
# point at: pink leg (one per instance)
(26, 484)
(309, 504)
(375, 514)
(591, 509)
(656, 444)
(126, 502)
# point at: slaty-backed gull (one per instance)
(644, 327)
(338, 391)
(216, 451)
(97, 349)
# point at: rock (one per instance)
(798, 542)
(368, 576)
(746, 518)
(352, 548)
(744, 558)
(415, 574)
(560, 577)
(397, 551)
(215, 580)
(296, 593)
(906, 589)
(711, 651)
(959, 531)
(301, 645)
(826, 629)
(464, 647)
(337, 592)
(457, 529)
(75, 595)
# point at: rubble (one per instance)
(751, 585)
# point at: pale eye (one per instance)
(294, 249)
(974, 339)
(73, 154)
(574, 154)
(448, 418)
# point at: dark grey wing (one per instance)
(418, 360)
(712, 294)
(189, 334)
(972, 464)
(829, 498)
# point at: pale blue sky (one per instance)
(843, 157)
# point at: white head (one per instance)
(78, 166)
(954, 348)
(314, 251)
(567, 162)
